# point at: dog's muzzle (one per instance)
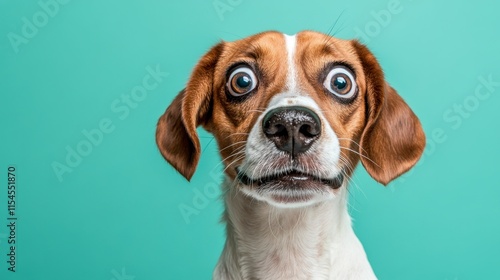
(293, 130)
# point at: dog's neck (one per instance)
(266, 242)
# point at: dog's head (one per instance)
(292, 116)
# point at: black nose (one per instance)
(292, 129)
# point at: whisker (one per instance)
(354, 143)
(233, 154)
(330, 31)
(208, 144)
(356, 152)
(234, 161)
(235, 143)
(236, 133)
(256, 111)
(236, 152)
(350, 179)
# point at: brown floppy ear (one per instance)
(176, 134)
(393, 139)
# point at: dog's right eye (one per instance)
(341, 82)
(241, 81)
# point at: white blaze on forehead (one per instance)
(291, 42)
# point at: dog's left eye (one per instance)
(241, 81)
(340, 81)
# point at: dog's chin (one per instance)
(290, 190)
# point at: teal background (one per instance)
(116, 215)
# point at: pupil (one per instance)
(243, 81)
(340, 83)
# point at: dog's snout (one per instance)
(292, 129)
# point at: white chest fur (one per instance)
(314, 242)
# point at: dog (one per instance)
(292, 116)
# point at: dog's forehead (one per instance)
(306, 40)
(306, 44)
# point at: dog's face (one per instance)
(292, 116)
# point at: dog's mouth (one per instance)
(292, 179)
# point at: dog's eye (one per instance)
(340, 81)
(241, 81)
